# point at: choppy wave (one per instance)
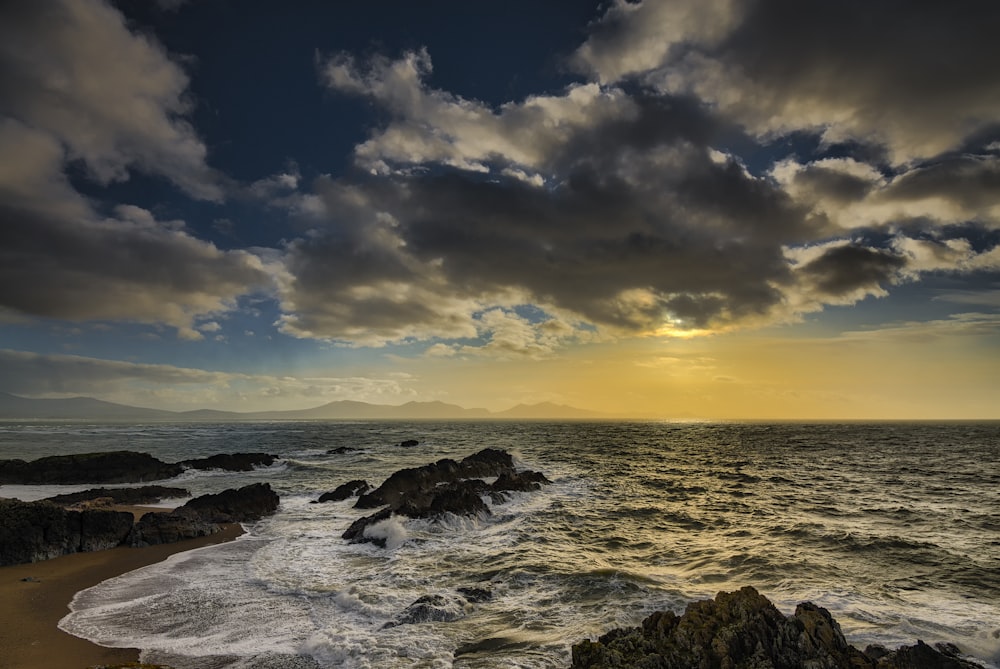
(894, 528)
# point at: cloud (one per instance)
(78, 88)
(59, 258)
(609, 207)
(913, 77)
(73, 70)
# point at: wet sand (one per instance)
(31, 609)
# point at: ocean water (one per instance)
(893, 527)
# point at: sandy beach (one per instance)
(34, 597)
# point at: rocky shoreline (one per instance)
(744, 630)
(89, 520)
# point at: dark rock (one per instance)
(431, 608)
(526, 481)
(345, 490)
(744, 630)
(251, 502)
(922, 656)
(461, 498)
(166, 528)
(33, 531)
(108, 467)
(488, 462)
(202, 516)
(234, 462)
(476, 595)
(142, 495)
(341, 450)
(409, 443)
(355, 534)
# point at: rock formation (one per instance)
(204, 515)
(445, 486)
(33, 531)
(345, 490)
(233, 462)
(107, 467)
(146, 494)
(487, 462)
(118, 467)
(743, 630)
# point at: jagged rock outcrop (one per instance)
(233, 462)
(344, 491)
(105, 467)
(146, 494)
(743, 630)
(487, 462)
(445, 486)
(33, 531)
(203, 515)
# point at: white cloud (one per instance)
(113, 98)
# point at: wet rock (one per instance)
(432, 608)
(409, 443)
(33, 531)
(488, 462)
(461, 498)
(526, 481)
(107, 467)
(166, 528)
(233, 462)
(142, 495)
(476, 595)
(345, 490)
(340, 450)
(355, 534)
(743, 629)
(251, 502)
(203, 515)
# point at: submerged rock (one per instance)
(432, 608)
(341, 450)
(743, 629)
(409, 443)
(345, 490)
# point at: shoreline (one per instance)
(30, 610)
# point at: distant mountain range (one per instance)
(13, 407)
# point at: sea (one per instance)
(893, 527)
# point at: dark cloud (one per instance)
(843, 270)
(971, 182)
(914, 76)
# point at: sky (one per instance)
(677, 209)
